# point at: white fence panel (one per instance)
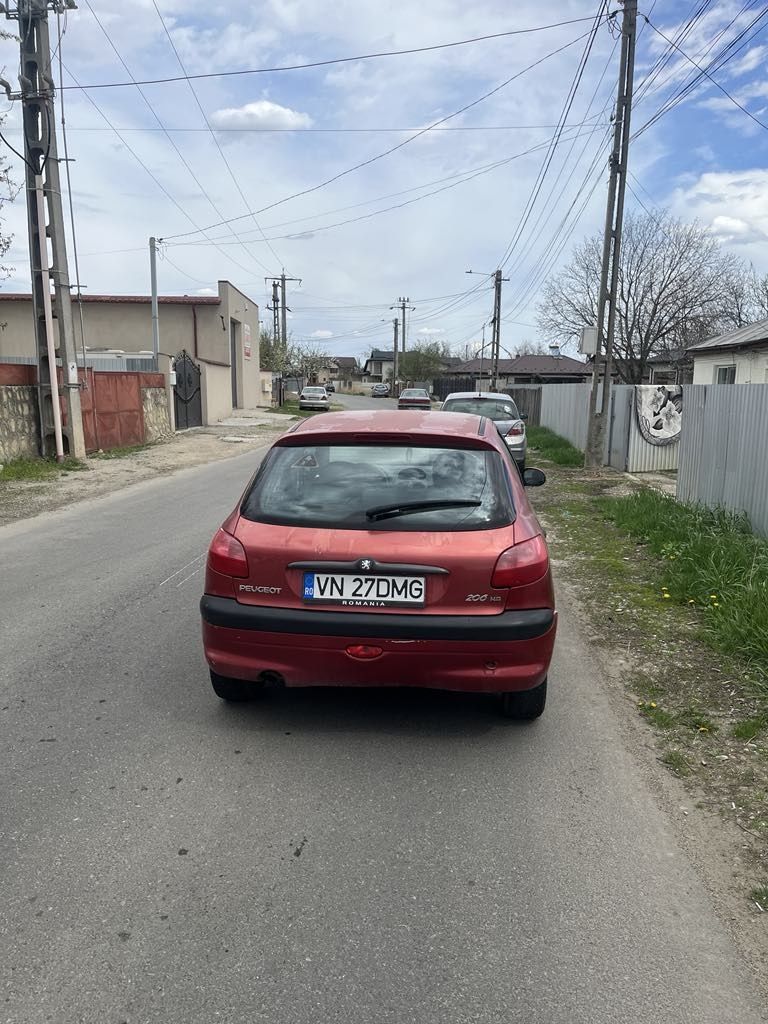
(724, 449)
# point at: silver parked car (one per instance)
(314, 398)
(499, 408)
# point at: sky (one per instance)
(412, 222)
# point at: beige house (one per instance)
(220, 333)
(739, 357)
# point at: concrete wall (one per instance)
(18, 422)
(155, 407)
(212, 333)
(751, 366)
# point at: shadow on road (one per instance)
(385, 711)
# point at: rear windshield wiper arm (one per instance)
(406, 508)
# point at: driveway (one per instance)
(319, 855)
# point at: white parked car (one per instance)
(314, 398)
(499, 408)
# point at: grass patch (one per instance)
(38, 469)
(291, 408)
(553, 448)
(677, 762)
(748, 728)
(706, 559)
(658, 716)
(760, 896)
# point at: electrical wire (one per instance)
(405, 142)
(336, 60)
(708, 76)
(227, 164)
(570, 97)
(171, 198)
(176, 149)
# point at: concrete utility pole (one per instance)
(609, 277)
(46, 221)
(280, 310)
(395, 366)
(495, 324)
(155, 305)
(404, 300)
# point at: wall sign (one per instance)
(247, 341)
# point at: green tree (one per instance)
(422, 362)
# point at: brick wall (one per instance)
(18, 422)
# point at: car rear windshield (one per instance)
(313, 391)
(496, 409)
(342, 486)
(414, 393)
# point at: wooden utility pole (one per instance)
(609, 276)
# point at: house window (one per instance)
(725, 374)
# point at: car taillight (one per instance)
(516, 430)
(227, 555)
(523, 564)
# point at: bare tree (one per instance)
(307, 360)
(673, 289)
(532, 348)
(9, 190)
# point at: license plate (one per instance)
(364, 591)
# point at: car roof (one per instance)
(479, 394)
(391, 424)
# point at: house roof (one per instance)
(174, 300)
(381, 355)
(742, 337)
(540, 366)
(345, 361)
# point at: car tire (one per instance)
(521, 467)
(524, 705)
(234, 691)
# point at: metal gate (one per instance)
(188, 400)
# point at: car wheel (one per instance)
(524, 705)
(234, 690)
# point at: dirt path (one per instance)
(22, 499)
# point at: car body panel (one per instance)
(516, 443)
(414, 398)
(469, 635)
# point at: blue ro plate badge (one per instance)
(364, 591)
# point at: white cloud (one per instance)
(259, 114)
(323, 335)
(428, 331)
(206, 291)
(734, 205)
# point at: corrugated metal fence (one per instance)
(724, 449)
(564, 409)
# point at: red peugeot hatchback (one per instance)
(384, 549)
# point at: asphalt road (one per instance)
(363, 401)
(318, 856)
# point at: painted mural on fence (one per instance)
(659, 412)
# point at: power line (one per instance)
(162, 128)
(318, 131)
(571, 96)
(227, 164)
(708, 76)
(405, 142)
(336, 60)
(153, 176)
(486, 169)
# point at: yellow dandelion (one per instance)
(713, 597)
(716, 604)
(666, 595)
(653, 704)
(691, 601)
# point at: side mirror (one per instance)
(533, 478)
(523, 415)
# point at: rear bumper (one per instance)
(488, 653)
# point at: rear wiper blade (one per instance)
(406, 508)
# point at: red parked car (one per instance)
(414, 398)
(384, 549)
